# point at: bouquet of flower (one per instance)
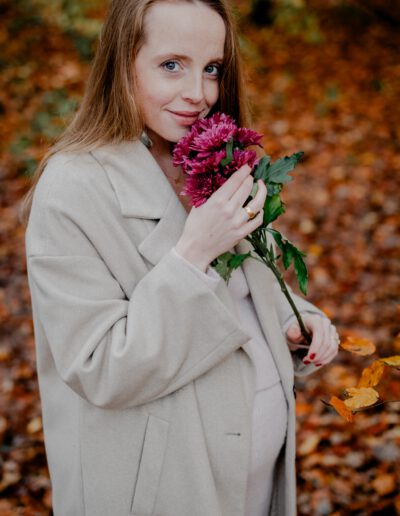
(209, 154)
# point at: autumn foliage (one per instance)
(364, 395)
(324, 78)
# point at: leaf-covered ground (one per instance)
(325, 81)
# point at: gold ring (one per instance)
(251, 214)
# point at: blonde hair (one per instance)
(109, 112)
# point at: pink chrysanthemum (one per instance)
(202, 149)
(200, 187)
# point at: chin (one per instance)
(175, 136)
(171, 136)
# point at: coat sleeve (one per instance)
(113, 350)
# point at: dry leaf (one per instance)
(384, 484)
(372, 374)
(360, 397)
(393, 361)
(35, 425)
(341, 408)
(309, 444)
(358, 346)
(396, 343)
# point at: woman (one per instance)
(164, 391)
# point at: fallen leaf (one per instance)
(393, 361)
(371, 375)
(341, 408)
(358, 346)
(309, 444)
(35, 425)
(384, 484)
(360, 397)
(11, 475)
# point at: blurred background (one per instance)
(323, 76)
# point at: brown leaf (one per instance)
(393, 361)
(396, 343)
(372, 374)
(358, 346)
(360, 397)
(341, 408)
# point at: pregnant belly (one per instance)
(269, 422)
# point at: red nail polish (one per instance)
(312, 356)
(306, 362)
(318, 364)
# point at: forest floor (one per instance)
(328, 84)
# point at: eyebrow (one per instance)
(171, 55)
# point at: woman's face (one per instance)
(177, 68)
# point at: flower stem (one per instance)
(268, 258)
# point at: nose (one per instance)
(193, 90)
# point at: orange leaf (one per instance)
(393, 361)
(360, 397)
(341, 409)
(358, 346)
(384, 484)
(371, 374)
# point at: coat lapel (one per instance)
(144, 192)
(261, 280)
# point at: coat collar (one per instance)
(141, 187)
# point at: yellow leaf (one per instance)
(393, 361)
(360, 397)
(309, 444)
(341, 409)
(35, 425)
(371, 374)
(358, 346)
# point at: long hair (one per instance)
(109, 112)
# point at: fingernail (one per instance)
(306, 361)
(318, 365)
(312, 356)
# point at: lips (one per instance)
(185, 117)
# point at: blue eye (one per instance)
(213, 69)
(170, 66)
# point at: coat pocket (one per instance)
(150, 466)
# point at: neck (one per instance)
(162, 152)
(160, 148)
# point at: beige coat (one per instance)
(145, 382)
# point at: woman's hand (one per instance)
(325, 339)
(221, 222)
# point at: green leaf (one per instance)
(229, 153)
(272, 209)
(273, 189)
(278, 171)
(220, 264)
(237, 259)
(288, 254)
(277, 237)
(261, 169)
(301, 271)
(225, 263)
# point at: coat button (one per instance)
(294, 391)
